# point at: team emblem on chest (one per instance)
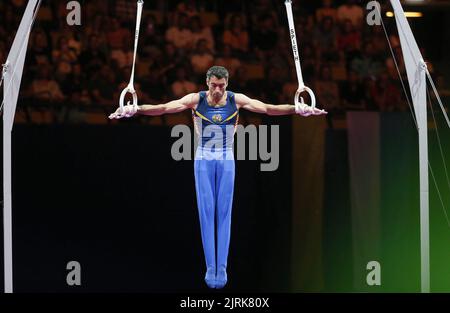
(217, 118)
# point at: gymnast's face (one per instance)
(217, 87)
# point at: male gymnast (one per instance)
(215, 113)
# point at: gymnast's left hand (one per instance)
(128, 111)
(306, 110)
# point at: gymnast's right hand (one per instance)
(128, 111)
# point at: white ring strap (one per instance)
(301, 84)
(130, 88)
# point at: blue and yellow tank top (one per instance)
(216, 125)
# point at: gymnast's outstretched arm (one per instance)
(175, 106)
(244, 102)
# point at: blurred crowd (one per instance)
(74, 72)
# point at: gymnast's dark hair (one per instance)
(218, 71)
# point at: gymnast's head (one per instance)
(217, 81)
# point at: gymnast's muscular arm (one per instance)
(244, 102)
(175, 106)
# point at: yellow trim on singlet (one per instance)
(207, 119)
(203, 117)
(231, 116)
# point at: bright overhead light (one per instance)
(407, 14)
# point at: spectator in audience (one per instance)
(228, 61)
(201, 32)
(349, 41)
(369, 84)
(44, 87)
(394, 40)
(350, 10)
(18, 4)
(74, 41)
(125, 10)
(123, 55)
(236, 36)
(309, 62)
(78, 98)
(325, 40)
(10, 20)
(262, 7)
(271, 85)
(366, 64)
(234, 6)
(117, 35)
(152, 35)
(240, 80)
(99, 26)
(265, 37)
(103, 86)
(187, 7)
(76, 82)
(182, 85)
(179, 34)
(92, 59)
(202, 59)
(208, 6)
(171, 59)
(305, 30)
(155, 85)
(391, 66)
(280, 56)
(352, 93)
(327, 91)
(64, 57)
(387, 94)
(378, 39)
(327, 10)
(40, 50)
